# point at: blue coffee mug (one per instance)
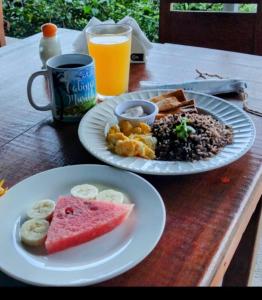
(72, 85)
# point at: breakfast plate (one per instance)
(92, 135)
(92, 262)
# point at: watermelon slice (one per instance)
(76, 221)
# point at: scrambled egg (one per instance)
(129, 140)
(2, 189)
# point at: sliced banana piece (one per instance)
(84, 191)
(42, 209)
(33, 232)
(111, 196)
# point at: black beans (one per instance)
(209, 138)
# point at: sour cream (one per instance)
(134, 112)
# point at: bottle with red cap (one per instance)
(49, 44)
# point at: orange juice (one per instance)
(112, 61)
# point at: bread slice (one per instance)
(178, 94)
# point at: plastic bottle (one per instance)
(49, 44)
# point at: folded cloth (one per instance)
(209, 86)
(140, 43)
(80, 43)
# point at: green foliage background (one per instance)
(26, 16)
(211, 7)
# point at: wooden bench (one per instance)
(2, 32)
(234, 31)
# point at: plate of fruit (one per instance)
(78, 225)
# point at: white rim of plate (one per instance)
(92, 126)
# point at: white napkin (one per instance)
(140, 43)
(80, 43)
(209, 86)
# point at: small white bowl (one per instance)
(150, 108)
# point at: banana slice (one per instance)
(111, 196)
(84, 191)
(33, 232)
(42, 209)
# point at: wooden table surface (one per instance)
(205, 217)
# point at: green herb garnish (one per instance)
(183, 130)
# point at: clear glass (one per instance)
(110, 47)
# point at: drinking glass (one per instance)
(110, 47)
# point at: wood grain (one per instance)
(2, 32)
(219, 30)
(17, 115)
(238, 272)
(204, 215)
(255, 277)
(255, 193)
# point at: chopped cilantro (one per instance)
(183, 130)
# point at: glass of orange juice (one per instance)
(110, 47)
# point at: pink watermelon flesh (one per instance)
(76, 221)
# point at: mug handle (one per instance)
(29, 90)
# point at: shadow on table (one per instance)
(6, 281)
(63, 142)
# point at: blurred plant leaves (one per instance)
(27, 16)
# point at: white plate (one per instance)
(91, 262)
(92, 128)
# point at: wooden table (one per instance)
(205, 217)
(2, 32)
